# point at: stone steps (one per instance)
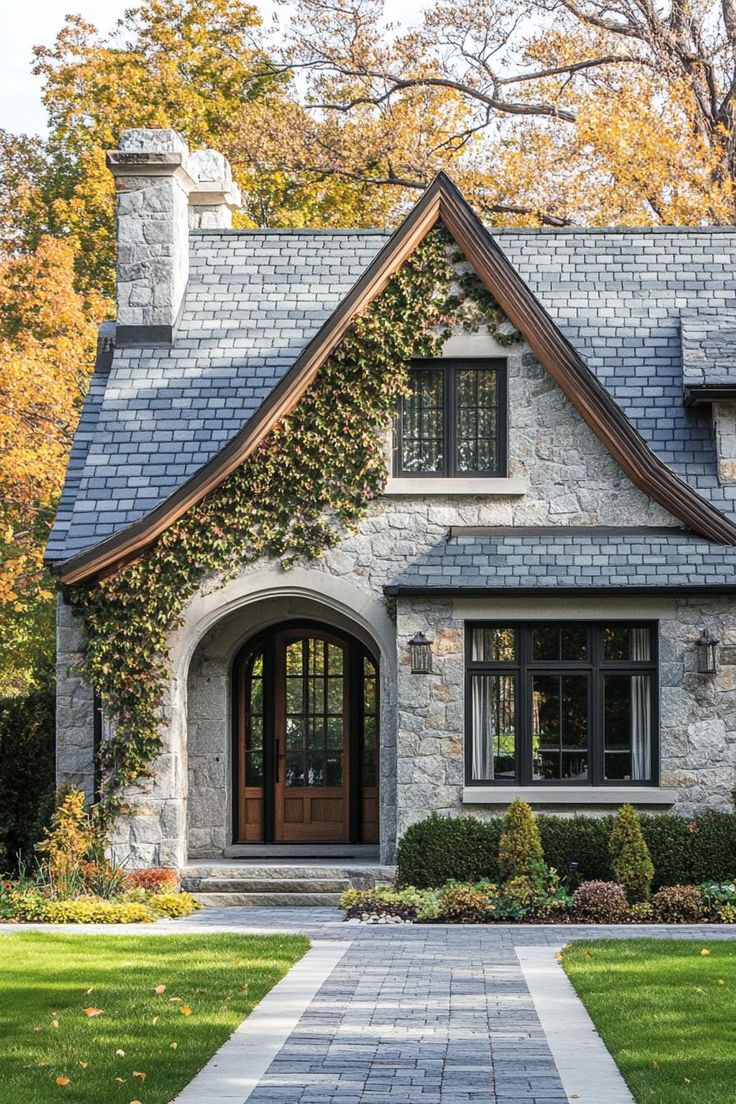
(269, 900)
(267, 885)
(243, 884)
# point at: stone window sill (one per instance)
(569, 795)
(513, 486)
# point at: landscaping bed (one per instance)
(73, 882)
(99, 1019)
(666, 1010)
(526, 888)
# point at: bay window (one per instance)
(568, 702)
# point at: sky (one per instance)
(27, 23)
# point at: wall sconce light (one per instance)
(707, 654)
(420, 649)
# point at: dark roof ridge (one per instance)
(318, 231)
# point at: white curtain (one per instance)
(484, 727)
(641, 710)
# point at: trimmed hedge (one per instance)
(684, 852)
(26, 772)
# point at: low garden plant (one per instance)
(516, 882)
(72, 882)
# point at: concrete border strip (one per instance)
(233, 1072)
(588, 1073)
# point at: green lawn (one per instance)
(666, 1012)
(47, 981)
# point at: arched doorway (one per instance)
(305, 752)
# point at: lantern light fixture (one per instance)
(420, 649)
(707, 653)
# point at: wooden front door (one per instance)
(312, 739)
(306, 731)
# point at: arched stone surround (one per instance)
(186, 810)
(209, 736)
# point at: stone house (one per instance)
(543, 600)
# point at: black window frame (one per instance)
(449, 366)
(523, 667)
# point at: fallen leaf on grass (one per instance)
(119, 1053)
(36, 1029)
(63, 1080)
(54, 1023)
(120, 1080)
(185, 1010)
(705, 952)
(173, 1045)
(159, 990)
(93, 1011)
(155, 1019)
(83, 1064)
(175, 999)
(90, 990)
(141, 1076)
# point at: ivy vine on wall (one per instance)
(310, 480)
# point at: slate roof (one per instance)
(569, 559)
(255, 298)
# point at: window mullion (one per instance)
(448, 385)
(524, 723)
(596, 721)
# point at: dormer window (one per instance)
(453, 421)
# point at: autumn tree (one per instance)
(47, 339)
(549, 111)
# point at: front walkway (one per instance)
(416, 1014)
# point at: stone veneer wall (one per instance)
(572, 480)
(697, 714)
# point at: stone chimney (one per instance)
(161, 191)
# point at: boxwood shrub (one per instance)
(684, 851)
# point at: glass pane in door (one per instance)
(315, 710)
